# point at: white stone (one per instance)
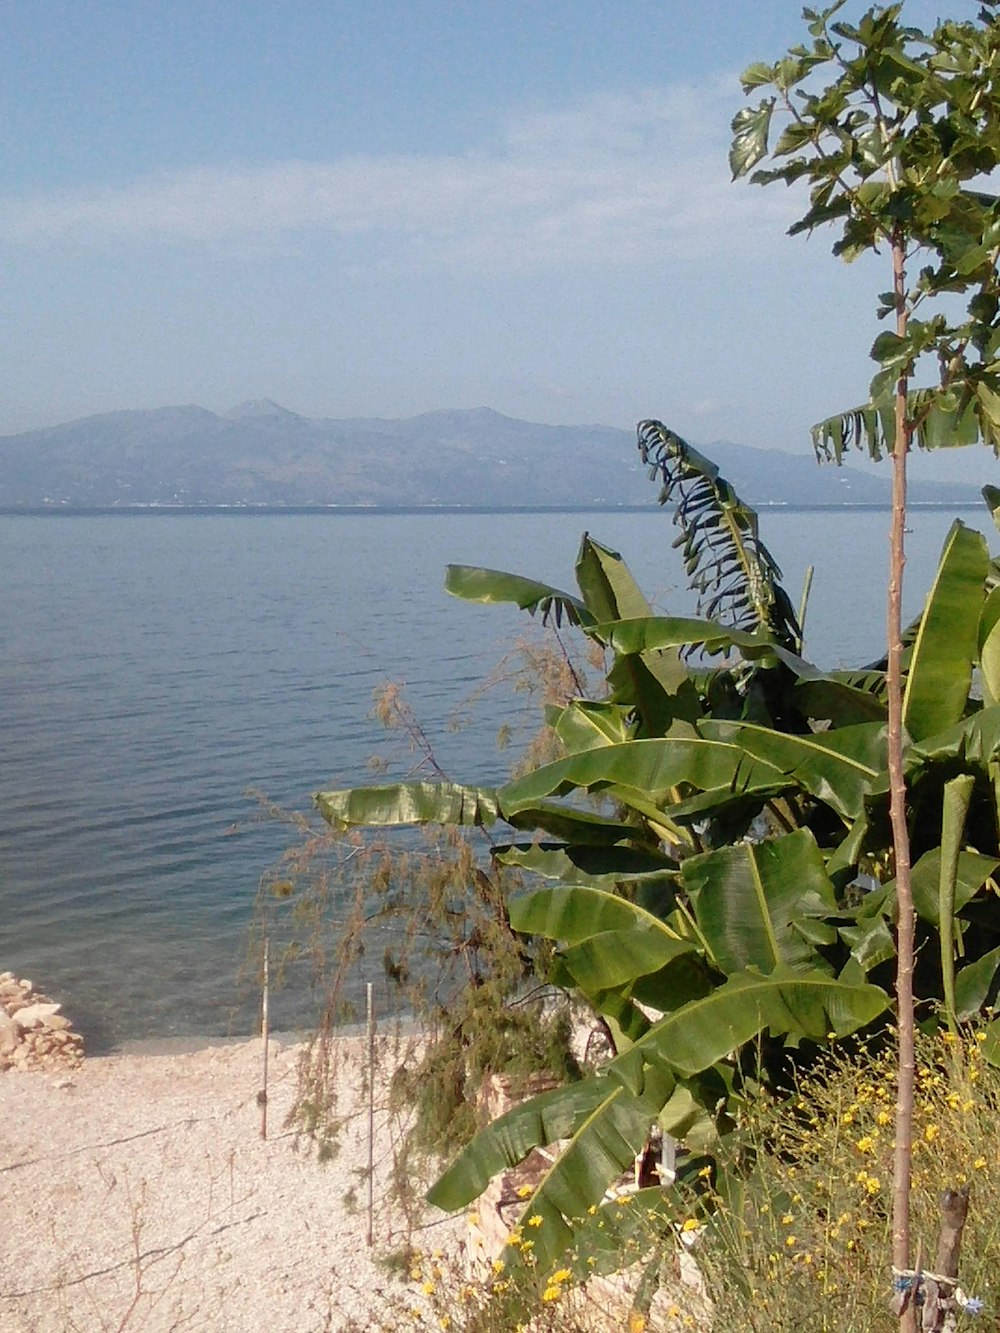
(33, 1015)
(8, 1034)
(56, 1021)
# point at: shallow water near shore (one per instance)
(155, 667)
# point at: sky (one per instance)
(391, 208)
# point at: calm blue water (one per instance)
(154, 667)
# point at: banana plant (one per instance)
(697, 848)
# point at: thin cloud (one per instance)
(621, 179)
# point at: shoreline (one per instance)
(139, 1187)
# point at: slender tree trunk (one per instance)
(905, 921)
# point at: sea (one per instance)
(169, 680)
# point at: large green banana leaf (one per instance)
(583, 724)
(572, 913)
(641, 634)
(602, 1145)
(989, 648)
(655, 684)
(940, 673)
(606, 583)
(402, 804)
(972, 872)
(838, 766)
(618, 960)
(973, 742)
(506, 1141)
(474, 584)
(596, 867)
(799, 1003)
(870, 941)
(653, 766)
(749, 900)
(611, 945)
(607, 1118)
(972, 985)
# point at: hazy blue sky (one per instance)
(386, 208)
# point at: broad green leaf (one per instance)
(654, 683)
(973, 742)
(593, 866)
(571, 824)
(937, 685)
(870, 942)
(606, 1126)
(871, 427)
(582, 724)
(840, 704)
(616, 959)
(404, 803)
(643, 633)
(656, 687)
(747, 899)
(838, 766)
(575, 912)
(606, 584)
(756, 75)
(972, 985)
(602, 1150)
(508, 1139)
(972, 872)
(474, 584)
(808, 1004)
(989, 648)
(652, 766)
(750, 131)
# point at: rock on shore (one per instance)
(33, 1033)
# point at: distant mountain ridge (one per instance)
(260, 453)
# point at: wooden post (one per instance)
(265, 1032)
(370, 1006)
(939, 1300)
(954, 1211)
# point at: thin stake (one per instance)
(371, 1113)
(265, 1032)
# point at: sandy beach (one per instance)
(139, 1195)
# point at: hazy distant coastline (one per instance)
(261, 457)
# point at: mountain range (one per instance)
(260, 453)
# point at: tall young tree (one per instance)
(897, 131)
